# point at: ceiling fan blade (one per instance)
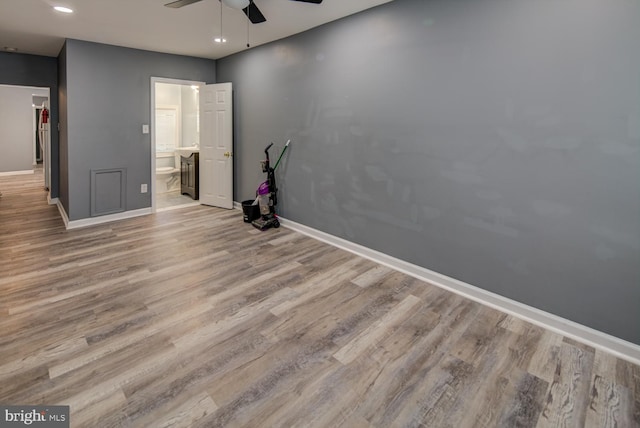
(254, 14)
(310, 1)
(180, 3)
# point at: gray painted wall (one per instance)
(107, 90)
(493, 141)
(39, 71)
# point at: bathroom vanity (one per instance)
(189, 175)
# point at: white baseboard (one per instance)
(92, 221)
(63, 213)
(50, 200)
(23, 172)
(606, 342)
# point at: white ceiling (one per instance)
(33, 27)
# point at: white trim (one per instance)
(35, 131)
(63, 213)
(92, 221)
(46, 156)
(2, 85)
(23, 172)
(45, 136)
(50, 200)
(606, 342)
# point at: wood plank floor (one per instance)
(191, 317)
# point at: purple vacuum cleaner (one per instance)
(267, 193)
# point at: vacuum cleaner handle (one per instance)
(281, 154)
(265, 163)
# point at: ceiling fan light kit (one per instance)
(249, 7)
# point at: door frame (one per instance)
(46, 155)
(35, 109)
(152, 128)
(47, 143)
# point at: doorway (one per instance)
(192, 138)
(175, 136)
(25, 139)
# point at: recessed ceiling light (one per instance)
(219, 40)
(10, 49)
(63, 9)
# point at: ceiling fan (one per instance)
(248, 7)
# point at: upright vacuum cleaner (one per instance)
(267, 193)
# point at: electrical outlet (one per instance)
(143, 188)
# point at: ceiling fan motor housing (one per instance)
(247, 6)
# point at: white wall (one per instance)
(167, 94)
(168, 121)
(16, 127)
(190, 134)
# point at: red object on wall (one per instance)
(45, 115)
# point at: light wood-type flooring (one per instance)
(191, 317)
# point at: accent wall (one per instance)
(496, 142)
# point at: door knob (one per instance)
(228, 154)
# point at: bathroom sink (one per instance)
(186, 151)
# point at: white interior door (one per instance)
(216, 145)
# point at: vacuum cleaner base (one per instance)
(265, 223)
